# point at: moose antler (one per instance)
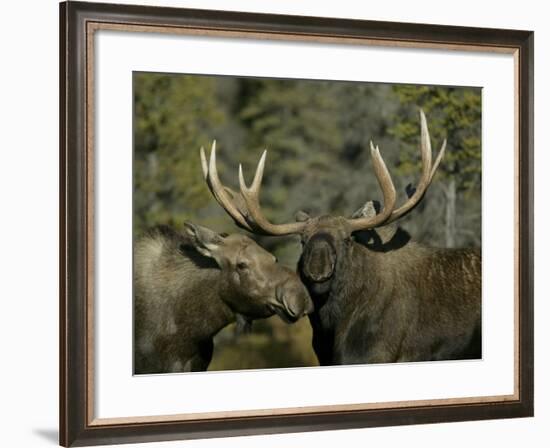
(388, 215)
(388, 191)
(251, 197)
(428, 170)
(249, 215)
(230, 201)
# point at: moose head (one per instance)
(326, 239)
(255, 285)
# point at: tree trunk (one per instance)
(450, 213)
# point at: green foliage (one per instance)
(174, 115)
(453, 114)
(293, 119)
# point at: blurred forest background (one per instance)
(317, 134)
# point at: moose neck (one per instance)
(351, 280)
(209, 304)
(222, 308)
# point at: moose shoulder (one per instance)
(404, 303)
(189, 286)
(395, 303)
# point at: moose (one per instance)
(190, 285)
(381, 304)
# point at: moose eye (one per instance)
(241, 265)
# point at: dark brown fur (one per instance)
(393, 302)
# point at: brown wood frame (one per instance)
(78, 22)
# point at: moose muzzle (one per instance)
(319, 259)
(293, 300)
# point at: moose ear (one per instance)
(206, 241)
(301, 216)
(380, 235)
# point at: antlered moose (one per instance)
(190, 285)
(406, 303)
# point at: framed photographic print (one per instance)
(278, 224)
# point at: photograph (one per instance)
(286, 223)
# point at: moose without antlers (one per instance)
(189, 286)
(408, 302)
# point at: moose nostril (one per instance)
(291, 312)
(288, 306)
(293, 299)
(295, 315)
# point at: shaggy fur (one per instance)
(394, 302)
(188, 286)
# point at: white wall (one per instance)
(29, 204)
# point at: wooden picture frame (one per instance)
(78, 22)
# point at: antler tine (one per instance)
(388, 191)
(258, 176)
(388, 214)
(428, 171)
(438, 159)
(219, 191)
(204, 164)
(251, 196)
(425, 146)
